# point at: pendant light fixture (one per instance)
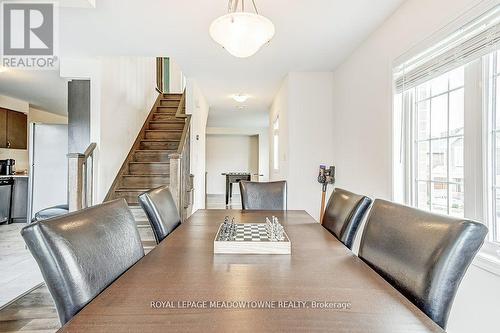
(242, 33)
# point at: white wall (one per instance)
(263, 138)
(197, 106)
(176, 78)
(122, 95)
(230, 153)
(362, 134)
(304, 105)
(127, 96)
(14, 104)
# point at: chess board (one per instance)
(251, 238)
(251, 233)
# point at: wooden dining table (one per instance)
(181, 285)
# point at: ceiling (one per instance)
(313, 35)
(44, 90)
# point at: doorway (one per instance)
(229, 154)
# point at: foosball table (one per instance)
(234, 178)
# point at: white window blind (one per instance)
(470, 42)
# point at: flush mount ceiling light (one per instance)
(240, 98)
(242, 33)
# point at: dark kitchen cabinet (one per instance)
(3, 128)
(13, 129)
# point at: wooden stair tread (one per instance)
(164, 175)
(132, 189)
(135, 162)
(173, 121)
(155, 151)
(147, 165)
(146, 175)
(164, 130)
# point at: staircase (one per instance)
(148, 165)
(145, 231)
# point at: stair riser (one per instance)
(172, 95)
(166, 109)
(169, 103)
(167, 117)
(164, 135)
(144, 182)
(130, 197)
(166, 126)
(151, 145)
(147, 168)
(151, 157)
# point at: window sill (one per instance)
(488, 258)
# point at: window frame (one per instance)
(477, 155)
(411, 102)
(276, 143)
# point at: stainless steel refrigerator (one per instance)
(48, 173)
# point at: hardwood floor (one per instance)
(35, 311)
(217, 201)
(19, 271)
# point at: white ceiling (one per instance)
(44, 90)
(313, 35)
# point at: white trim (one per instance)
(489, 258)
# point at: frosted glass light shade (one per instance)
(240, 98)
(242, 34)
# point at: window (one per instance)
(492, 84)
(439, 140)
(276, 144)
(447, 126)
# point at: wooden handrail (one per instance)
(90, 150)
(180, 178)
(181, 113)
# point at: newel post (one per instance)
(175, 178)
(75, 181)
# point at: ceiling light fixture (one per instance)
(242, 33)
(240, 98)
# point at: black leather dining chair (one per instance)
(263, 196)
(51, 212)
(81, 253)
(161, 211)
(343, 214)
(423, 255)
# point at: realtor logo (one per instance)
(28, 32)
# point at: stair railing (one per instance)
(81, 178)
(181, 180)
